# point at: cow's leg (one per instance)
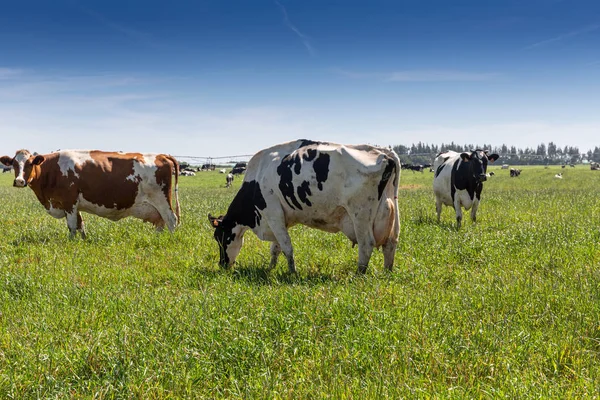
(438, 207)
(474, 210)
(276, 221)
(275, 252)
(389, 248)
(72, 222)
(389, 251)
(385, 230)
(80, 226)
(277, 225)
(366, 243)
(458, 209)
(285, 243)
(166, 213)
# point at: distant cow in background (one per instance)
(187, 173)
(514, 172)
(595, 166)
(413, 168)
(207, 167)
(112, 185)
(558, 176)
(238, 170)
(229, 180)
(458, 181)
(6, 169)
(504, 166)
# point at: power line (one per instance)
(214, 158)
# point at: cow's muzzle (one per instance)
(19, 183)
(482, 177)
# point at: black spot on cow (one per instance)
(309, 155)
(463, 178)
(286, 186)
(306, 142)
(387, 173)
(441, 167)
(321, 167)
(246, 206)
(294, 161)
(304, 192)
(459, 179)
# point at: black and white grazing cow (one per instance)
(328, 186)
(229, 180)
(458, 181)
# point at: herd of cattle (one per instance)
(351, 189)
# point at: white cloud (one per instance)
(44, 114)
(6, 73)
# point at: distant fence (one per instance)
(200, 160)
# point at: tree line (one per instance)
(543, 154)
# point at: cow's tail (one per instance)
(387, 221)
(176, 168)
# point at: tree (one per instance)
(541, 150)
(551, 150)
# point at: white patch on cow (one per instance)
(140, 209)
(56, 212)
(144, 169)
(68, 159)
(21, 157)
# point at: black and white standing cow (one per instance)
(229, 180)
(458, 181)
(328, 186)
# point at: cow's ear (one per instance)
(493, 157)
(214, 221)
(38, 160)
(6, 160)
(465, 157)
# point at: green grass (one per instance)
(507, 308)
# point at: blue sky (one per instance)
(215, 78)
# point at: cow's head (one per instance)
(229, 236)
(23, 164)
(478, 162)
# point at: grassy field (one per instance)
(509, 308)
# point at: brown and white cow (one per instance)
(328, 186)
(112, 185)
